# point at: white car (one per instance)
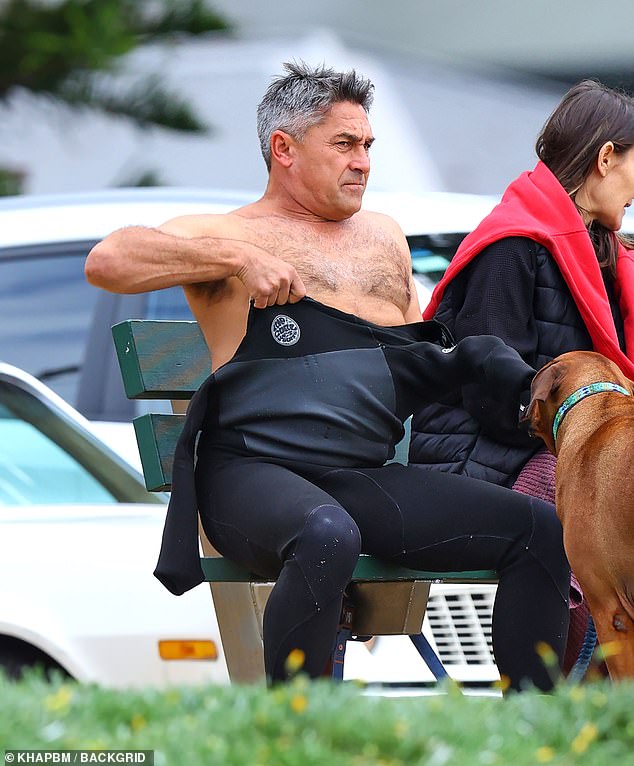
(78, 543)
(57, 327)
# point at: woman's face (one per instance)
(609, 188)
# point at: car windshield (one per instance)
(44, 459)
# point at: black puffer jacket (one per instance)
(514, 290)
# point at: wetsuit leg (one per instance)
(439, 521)
(279, 525)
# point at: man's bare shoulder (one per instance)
(374, 218)
(209, 224)
(381, 224)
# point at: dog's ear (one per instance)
(540, 412)
(538, 419)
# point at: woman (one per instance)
(547, 273)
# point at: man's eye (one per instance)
(343, 143)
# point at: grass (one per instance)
(322, 724)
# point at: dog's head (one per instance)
(540, 413)
(557, 380)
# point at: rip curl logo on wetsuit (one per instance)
(285, 330)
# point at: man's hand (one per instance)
(270, 280)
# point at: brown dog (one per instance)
(594, 445)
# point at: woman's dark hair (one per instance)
(589, 115)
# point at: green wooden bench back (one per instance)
(168, 359)
(160, 359)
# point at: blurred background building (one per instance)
(462, 89)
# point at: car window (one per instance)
(45, 311)
(34, 470)
(46, 458)
(431, 254)
(168, 304)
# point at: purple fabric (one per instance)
(537, 479)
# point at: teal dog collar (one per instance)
(578, 395)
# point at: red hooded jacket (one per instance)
(536, 206)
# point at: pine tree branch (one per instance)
(52, 49)
(146, 103)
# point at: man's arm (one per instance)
(427, 371)
(190, 250)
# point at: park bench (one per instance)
(168, 360)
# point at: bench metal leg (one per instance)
(420, 642)
(429, 655)
(239, 623)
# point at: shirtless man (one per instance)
(306, 235)
(306, 403)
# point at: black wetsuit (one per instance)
(290, 481)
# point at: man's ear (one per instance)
(282, 148)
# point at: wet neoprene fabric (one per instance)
(314, 386)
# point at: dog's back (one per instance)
(594, 444)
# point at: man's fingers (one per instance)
(278, 289)
(297, 290)
(283, 295)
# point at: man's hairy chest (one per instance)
(347, 260)
(353, 260)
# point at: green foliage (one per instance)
(139, 178)
(314, 724)
(146, 103)
(59, 49)
(11, 182)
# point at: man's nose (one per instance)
(360, 160)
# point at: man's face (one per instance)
(331, 163)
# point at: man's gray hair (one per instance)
(298, 100)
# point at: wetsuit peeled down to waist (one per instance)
(290, 478)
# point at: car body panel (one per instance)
(76, 579)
